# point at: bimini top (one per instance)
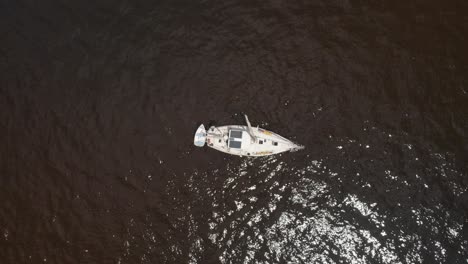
(200, 136)
(235, 138)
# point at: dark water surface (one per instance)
(99, 101)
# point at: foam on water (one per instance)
(269, 210)
(293, 215)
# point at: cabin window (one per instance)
(235, 133)
(260, 141)
(275, 143)
(235, 144)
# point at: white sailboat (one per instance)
(243, 140)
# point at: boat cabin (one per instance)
(238, 139)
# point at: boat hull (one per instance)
(256, 142)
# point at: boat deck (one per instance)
(236, 140)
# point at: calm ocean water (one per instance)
(99, 101)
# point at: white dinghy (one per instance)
(243, 140)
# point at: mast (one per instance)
(251, 133)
